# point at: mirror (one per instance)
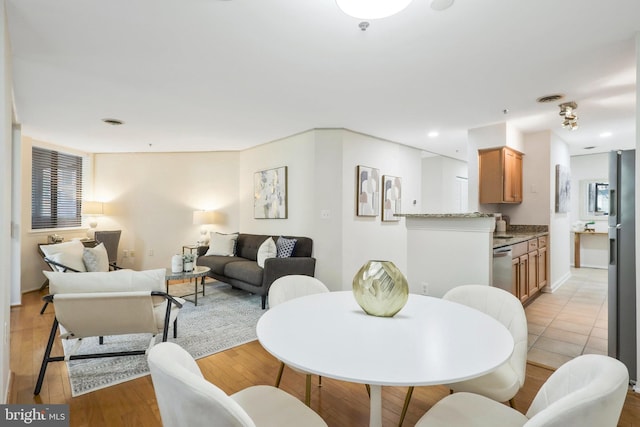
(594, 199)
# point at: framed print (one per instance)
(391, 197)
(270, 194)
(367, 191)
(563, 188)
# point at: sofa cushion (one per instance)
(285, 247)
(266, 250)
(246, 271)
(222, 244)
(217, 263)
(248, 245)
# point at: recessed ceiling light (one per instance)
(113, 122)
(605, 134)
(433, 134)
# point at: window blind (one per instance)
(56, 189)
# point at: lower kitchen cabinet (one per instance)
(529, 268)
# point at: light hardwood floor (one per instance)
(133, 403)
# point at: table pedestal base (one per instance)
(375, 406)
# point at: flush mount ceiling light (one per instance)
(568, 114)
(372, 9)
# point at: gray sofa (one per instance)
(242, 270)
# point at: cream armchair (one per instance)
(287, 288)
(503, 383)
(588, 391)
(186, 398)
(108, 303)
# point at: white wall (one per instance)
(440, 176)
(367, 238)
(151, 198)
(536, 185)
(560, 224)
(5, 206)
(322, 177)
(594, 251)
(297, 153)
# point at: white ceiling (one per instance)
(200, 75)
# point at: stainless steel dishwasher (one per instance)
(502, 268)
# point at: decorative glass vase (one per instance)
(380, 288)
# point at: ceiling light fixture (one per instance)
(605, 134)
(433, 134)
(568, 114)
(372, 9)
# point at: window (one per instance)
(56, 189)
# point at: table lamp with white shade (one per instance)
(92, 209)
(203, 218)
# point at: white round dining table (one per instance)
(430, 341)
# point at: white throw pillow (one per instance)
(67, 253)
(266, 250)
(222, 244)
(96, 258)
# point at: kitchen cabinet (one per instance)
(500, 175)
(529, 270)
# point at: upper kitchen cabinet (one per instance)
(500, 178)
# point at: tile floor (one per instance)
(571, 321)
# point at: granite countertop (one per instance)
(449, 215)
(519, 233)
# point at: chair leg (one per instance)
(307, 393)
(44, 307)
(101, 340)
(46, 357)
(175, 328)
(512, 403)
(368, 387)
(319, 380)
(280, 374)
(406, 406)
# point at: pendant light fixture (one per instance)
(372, 9)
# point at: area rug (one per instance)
(223, 319)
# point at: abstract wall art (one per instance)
(563, 188)
(391, 197)
(367, 191)
(270, 194)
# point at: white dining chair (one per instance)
(287, 288)
(186, 398)
(588, 391)
(503, 383)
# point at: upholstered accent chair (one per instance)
(588, 391)
(287, 288)
(106, 304)
(186, 398)
(111, 240)
(503, 383)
